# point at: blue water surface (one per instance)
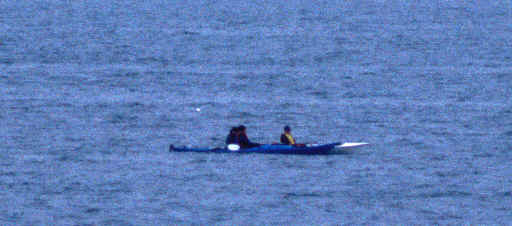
(93, 93)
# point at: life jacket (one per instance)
(290, 138)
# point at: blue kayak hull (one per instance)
(267, 149)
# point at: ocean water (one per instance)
(94, 92)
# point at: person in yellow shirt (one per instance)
(286, 137)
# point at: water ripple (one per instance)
(450, 194)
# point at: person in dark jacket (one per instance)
(233, 137)
(244, 140)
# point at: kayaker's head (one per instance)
(233, 130)
(241, 129)
(287, 129)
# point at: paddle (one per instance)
(233, 147)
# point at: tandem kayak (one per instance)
(323, 149)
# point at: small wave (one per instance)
(503, 75)
(32, 158)
(447, 174)
(242, 115)
(163, 122)
(320, 94)
(439, 157)
(351, 94)
(92, 210)
(186, 33)
(210, 104)
(73, 188)
(465, 98)
(409, 142)
(8, 174)
(197, 161)
(139, 105)
(483, 155)
(290, 195)
(329, 57)
(423, 186)
(150, 60)
(492, 65)
(7, 61)
(128, 74)
(435, 215)
(260, 61)
(368, 73)
(445, 194)
(475, 134)
(122, 118)
(115, 222)
(114, 187)
(64, 158)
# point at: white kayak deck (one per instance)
(351, 145)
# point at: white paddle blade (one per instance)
(233, 147)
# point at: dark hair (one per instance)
(241, 128)
(233, 129)
(287, 128)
